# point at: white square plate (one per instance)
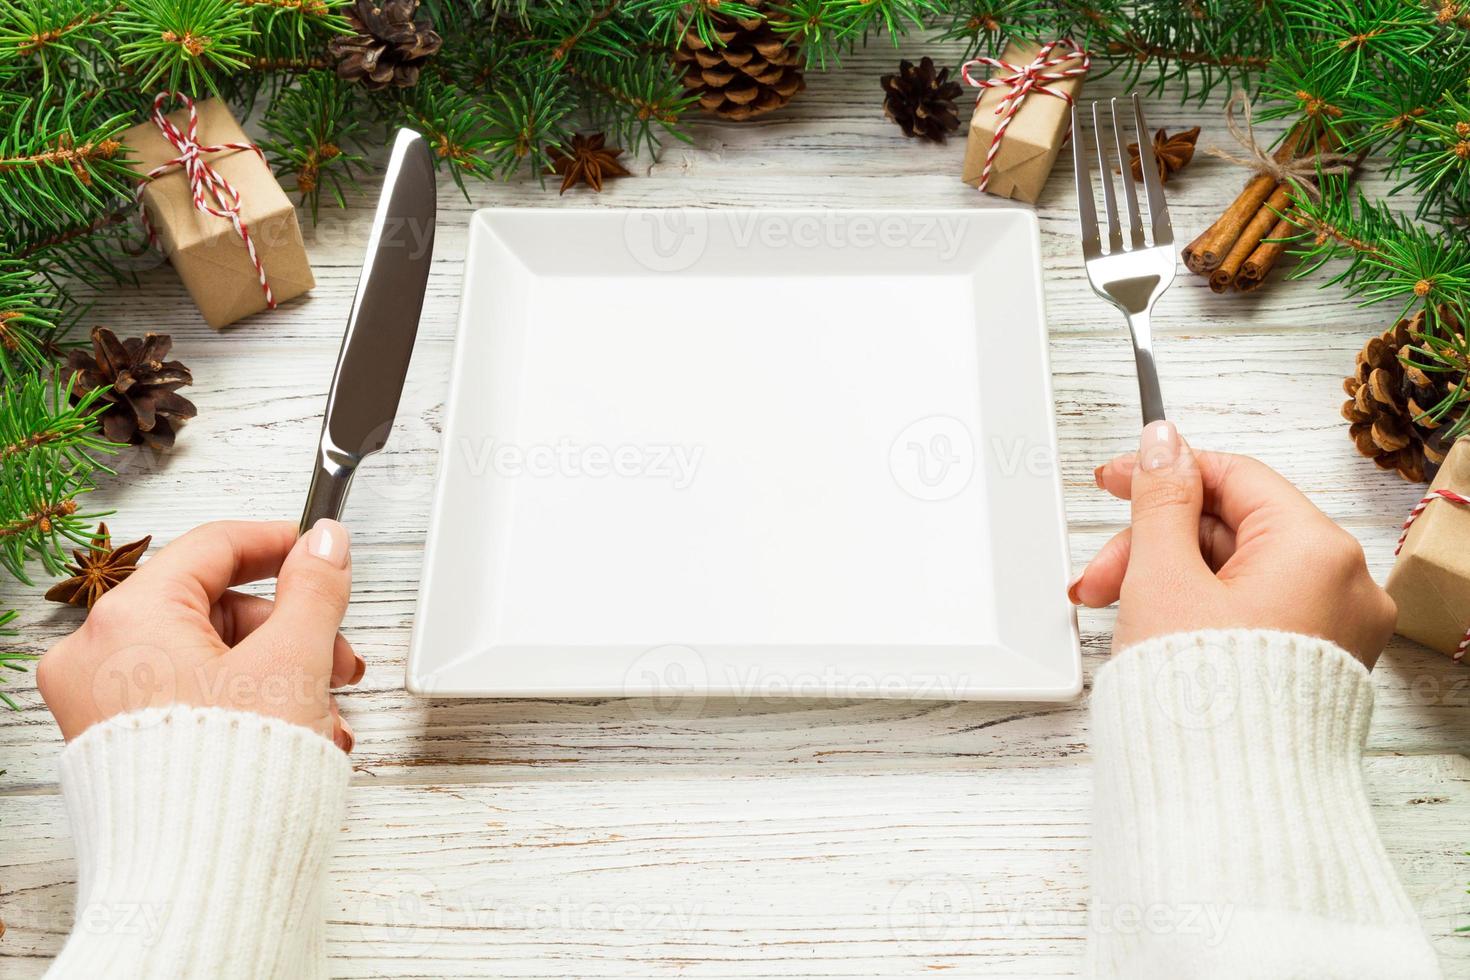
(749, 453)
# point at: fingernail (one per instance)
(1097, 476)
(361, 669)
(345, 739)
(328, 541)
(1072, 587)
(1159, 446)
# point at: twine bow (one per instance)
(1302, 171)
(203, 179)
(1424, 502)
(1022, 80)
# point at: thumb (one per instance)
(312, 589)
(1168, 496)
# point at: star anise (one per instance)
(1171, 153)
(589, 162)
(98, 569)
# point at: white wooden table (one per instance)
(762, 837)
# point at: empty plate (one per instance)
(749, 453)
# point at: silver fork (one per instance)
(1131, 274)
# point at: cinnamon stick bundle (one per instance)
(1204, 255)
(1222, 277)
(1235, 250)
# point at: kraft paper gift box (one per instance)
(1034, 137)
(206, 250)
(1431, 579)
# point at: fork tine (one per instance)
(1158, 210)
(1115, 230)
(1086, 211)
(1130, 196)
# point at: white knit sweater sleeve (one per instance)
(202, 837)
(1232, 836)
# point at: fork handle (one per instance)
(1150, 395)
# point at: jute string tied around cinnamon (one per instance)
(1301, 170)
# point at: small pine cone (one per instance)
(140, 401)
(921, 100)
(1388, 399)
(749, 71)
(388, 45)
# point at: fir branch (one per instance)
(12, 660)
(311, 126)
(1438, 164)
(29, 311)
(183, 45)
(585, 30)
(59, 164)
(984, 24)
(54, 34)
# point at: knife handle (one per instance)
(330, 480)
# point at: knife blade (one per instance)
(381, 327)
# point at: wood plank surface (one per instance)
(759, 836)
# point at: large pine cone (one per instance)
(143, 406)
(921, 100)
(1388, 399)
(750, 71)
(388, 45)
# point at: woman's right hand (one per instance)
(1220, 541)
(176, 632)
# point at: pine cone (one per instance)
(921, 101)
(1387, 401)
(750, 71)
(388, 46)
(143, 404)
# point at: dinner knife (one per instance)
(380, 329)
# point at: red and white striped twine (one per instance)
(1424, 502)
(1023, 80)
(202, 179)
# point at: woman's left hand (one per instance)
(176, 632)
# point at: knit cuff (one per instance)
(202, 837)
(1229, 803)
